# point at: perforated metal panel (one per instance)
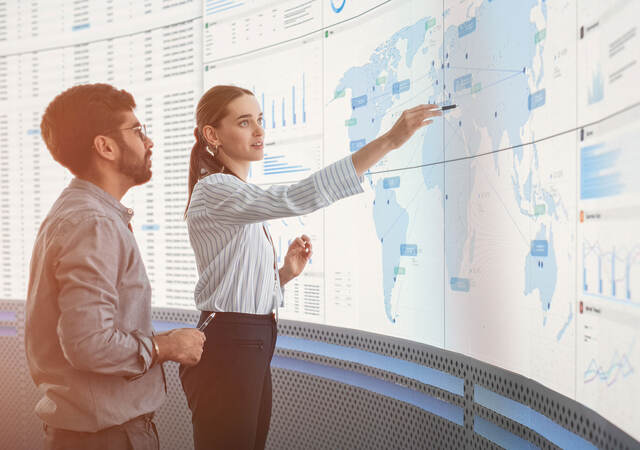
(330, 415)
(20, 428)
(173, 419)
(314, 412)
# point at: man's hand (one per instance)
(183, 345)
(298, 255)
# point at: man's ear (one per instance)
(104, 147)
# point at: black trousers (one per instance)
(137, 434)
(229, 391)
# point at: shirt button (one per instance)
(130, 211)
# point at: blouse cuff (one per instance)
(338, 180)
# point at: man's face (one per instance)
(135, 150)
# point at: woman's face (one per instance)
(240, 133)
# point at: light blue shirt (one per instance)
(234, 256)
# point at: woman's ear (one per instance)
(210, 135)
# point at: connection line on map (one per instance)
(487, 178)
(384, 234)
(512, 147)
(502, 80)
(479, 69)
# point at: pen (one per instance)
(206, 321)
(447, 107)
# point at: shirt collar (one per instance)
(125, 213)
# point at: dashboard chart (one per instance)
(505, 231)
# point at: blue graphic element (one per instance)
(80, 27)
(460, 284)
(463, 82)
(564, 328)
(541, 270)
(408, 250)
(8, 331)
(626, 257)
(426, 402)
(401, 86)
(539, 248)
(537, 99)
(467, 27)
(499, 435)
(356, 145)
(359, 102)
(619, 367)
(275, 165)
(596, 90)
(337, 5)
(151, 227)
(391, 182)
(425, 375)
(8, 316)
(597, 180)
(218, 6)
(530, 418)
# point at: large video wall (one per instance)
(506, 231)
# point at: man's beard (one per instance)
(138, 170)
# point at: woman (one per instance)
(229, 391)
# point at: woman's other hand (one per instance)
(296, 259)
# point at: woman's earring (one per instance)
(215, 150)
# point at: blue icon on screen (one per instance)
(337, 5)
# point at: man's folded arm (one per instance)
(87, 272)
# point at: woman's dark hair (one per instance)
(211, 109)
(76, 116)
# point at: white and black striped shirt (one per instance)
(233, 254)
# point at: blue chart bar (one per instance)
(293, 103)
(284, 122)
(275, 165)
(596, 177)
(605, 261)
(304, 100)
(218, 6)
(287, 115)
(273, 114)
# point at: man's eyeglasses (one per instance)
(141, 131)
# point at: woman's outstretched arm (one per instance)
(410, 121)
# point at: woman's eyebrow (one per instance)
(244, 116)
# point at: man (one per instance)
(89, 339)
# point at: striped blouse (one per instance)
(234, 256)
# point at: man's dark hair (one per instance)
(76, 116)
